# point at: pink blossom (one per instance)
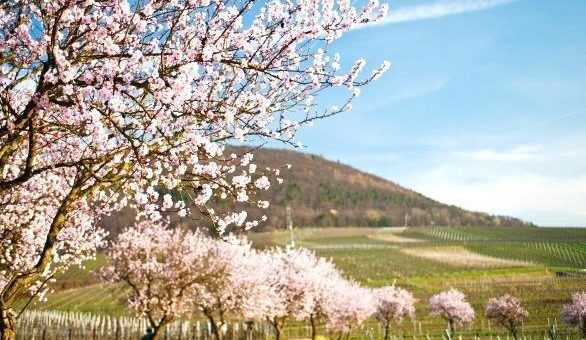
(348, 306)
(393, 304)
(453, 307)
(574, 313)
(162, 266)
(228, 287)
(26, 213)
(508, 311)
(126, 104)
(295, 284)
(262, 183)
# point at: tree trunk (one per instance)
(387, 328)
(312, 323)
(7, 326)
(158, 327)
(514, 333)
(452, 327)
(22, 282)
(156, 333)
(217, 332)
(249, 330)
(275, 323)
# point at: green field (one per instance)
(543, 266)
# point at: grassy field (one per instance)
(543, 266)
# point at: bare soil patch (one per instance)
(462, 257)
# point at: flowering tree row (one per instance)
(176, 273)
(104, 103)
(508, 311)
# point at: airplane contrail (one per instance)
(435, 10)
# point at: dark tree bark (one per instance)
(277, 325)
(387, 329)
(313, 327)
(217, 333)
(7, 326)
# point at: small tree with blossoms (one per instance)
(574, 313)
(105, 104)
(229, 283)
(262, 300)
(349, 306)
(288, 278)
(290, 284)
(393, 304)
(452, 306)
(508, 311)
(319, 278)
(162, 267)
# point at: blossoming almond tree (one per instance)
(175, 272)
(124, 99)
(508, 311)
(289, 274)
(30, 245)
(393, 304)
(320, 281)
(349, 305)
(452, 306)
(262, 300)
(229, 283)
(303, 283)
(162, 266)
(574, 313)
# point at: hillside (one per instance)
(323, 193)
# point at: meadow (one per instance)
(542, 266)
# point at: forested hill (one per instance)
(325, 193)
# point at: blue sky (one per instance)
(484, 106)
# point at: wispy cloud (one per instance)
(554, 119)
(436, 10)
(421, 89)
(520, 153)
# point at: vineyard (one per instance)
(140, 199)
(541, 266)
(53, 325)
